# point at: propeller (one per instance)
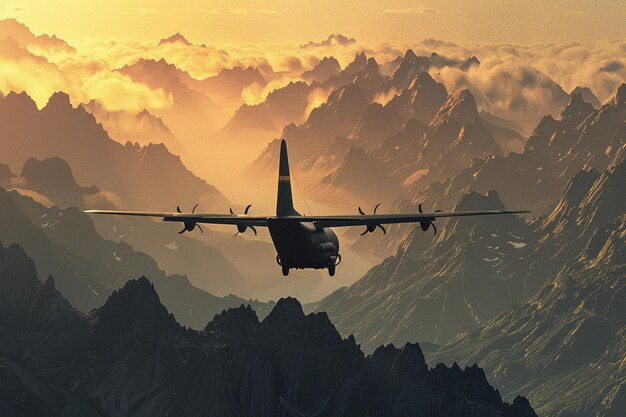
(189, 226)
(427, 222)
(241, 227)
(370, 228)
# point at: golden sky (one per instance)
(396, 21)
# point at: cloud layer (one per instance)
(519, 82)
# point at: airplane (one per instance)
(302, 242)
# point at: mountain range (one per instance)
(536, 301)
(564, 346)
(421, 135)
(533, 300)
(131, 356)
(135, 175)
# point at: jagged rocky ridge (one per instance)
(454, 134)
(566, 345)
(539, 304)
(132, 357)
(556, 151)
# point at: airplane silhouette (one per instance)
(302, 241)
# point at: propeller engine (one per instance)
(241, 228)
(189, 226)
(427, 222)
(371, 227)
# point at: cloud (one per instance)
(253, 11)
(613, 66)
(383, 97)
(518, 82)
(316, 98)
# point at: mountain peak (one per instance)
(234, 321)
(409, 55)
(285, 311)
(588, 96)
(133, 314)
(577, 108)
(175, 38)
(324, 69)
(53, 169)
(469, 62)
(619, 101)
(20, 102)
(59, 100)
(333, 39)
(360, 60)
(475, 201)
(421, 80)
(460, 105)
(371, 66)
(18, 284)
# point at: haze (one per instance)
(492, 21)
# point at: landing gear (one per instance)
(285, 271)
(332, 264)
(284, 267)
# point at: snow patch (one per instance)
(94, 291)
(516, 245)
(171, 246)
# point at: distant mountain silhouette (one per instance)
(143, 127)
(65, 243)
(230, 82)
(24, 37)
(175, 38)
(587, 95)
(54, 179)
(325, 69)
(237, 366)
(147, 176)
(454, 136)
(282, 106)
(193, 109)
(332, 40)
(335, 117)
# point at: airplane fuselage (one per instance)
(301, 245)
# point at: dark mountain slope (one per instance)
(434, 288)
(88, 268)
(539, 305)
(135, 359)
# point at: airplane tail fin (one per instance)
(284, 204)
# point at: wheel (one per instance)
(285, 271)
(331, 270)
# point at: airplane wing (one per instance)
(191, 220)
(373, 220)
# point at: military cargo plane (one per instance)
(302, 241)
